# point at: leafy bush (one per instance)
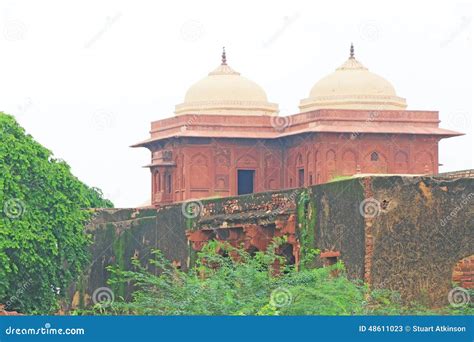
(42, 243)
(250, 285)
(237, 285)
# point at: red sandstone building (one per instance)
(226, 138)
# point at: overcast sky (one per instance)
(86, 78)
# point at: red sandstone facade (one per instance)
(463, 273)
(199, 156)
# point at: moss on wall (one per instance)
(306, 213)
(119, 245)
(337, 223)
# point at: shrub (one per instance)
(237, 285)
(250, 285)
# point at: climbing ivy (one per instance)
(306, 220)
(43, 246)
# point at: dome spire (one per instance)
(352, 51)
(224, 58)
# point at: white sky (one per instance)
(86, 78)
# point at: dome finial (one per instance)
(224, 58)
(352, 51)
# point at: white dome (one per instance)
(225, 91)
(352, 86)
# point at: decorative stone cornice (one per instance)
(227, 106)
(373, 102)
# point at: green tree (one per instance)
(42, 241)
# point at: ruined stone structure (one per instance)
(226, 139)
(414, 235)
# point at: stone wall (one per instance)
(403, 233)
(339, 225)
(425, 226)
(118, 235)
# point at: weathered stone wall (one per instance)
(250, 222)
(222, 209)
(425, 226)
(401, 233)
(339, 225)
(118, 235)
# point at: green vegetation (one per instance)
(247, 285)
(339, 178)
(307, 218)
(42, 242)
